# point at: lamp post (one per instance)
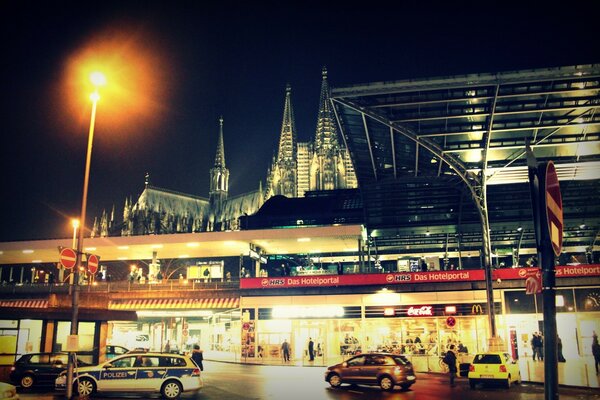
(97, 79)
(61, 269)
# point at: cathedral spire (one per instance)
(326, 135)
(219, 174)
(287, 140)
(220, 157)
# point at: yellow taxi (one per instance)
(494, 367)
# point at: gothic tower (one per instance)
(283, 172)
(327, 167)
(219, 175)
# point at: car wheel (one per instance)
(27, 381)
(472, 383)
(85, 387)
(507, 383)
(334, 380)
(386, 383)
(171, 390)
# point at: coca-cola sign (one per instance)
(420, 311)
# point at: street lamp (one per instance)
(75, 223)
(61, 271)
(97, 79)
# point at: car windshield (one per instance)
(487, 359)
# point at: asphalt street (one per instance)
(225, 381)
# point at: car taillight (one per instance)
(503, 368)
(471, 368)
(196, 372)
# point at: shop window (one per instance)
(519, 302)
(565, 301)
(588, 299)
(85, 332)
(30, 336)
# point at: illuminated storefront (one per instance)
(419, 325)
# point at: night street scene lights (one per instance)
(97, 79)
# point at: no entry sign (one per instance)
(92, 263)
(68, 258)
(554, 208)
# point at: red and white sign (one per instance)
(68, 258)
(533, 281)
(420, 311)
(92, 263)
(554, 208)
(450, 321)
(401, 278)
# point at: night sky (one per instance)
(177, 66)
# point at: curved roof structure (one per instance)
(439, 160)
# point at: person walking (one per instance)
(535, 347)
(596, 352)
(540, 350)
(198, 357)
(561, 358)
(311, 349)
(450, 361)
(285, 348)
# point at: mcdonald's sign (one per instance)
(476, 309)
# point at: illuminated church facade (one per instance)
(297, 168)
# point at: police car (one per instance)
(167, 374)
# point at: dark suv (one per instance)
(39, 369)
(383, 369)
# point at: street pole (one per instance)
(537, 180)
(546, 259)
(75, 298)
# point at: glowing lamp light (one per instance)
(450, 309)
(287, 312)
(94, 97)
(389, 311)
(98, 78)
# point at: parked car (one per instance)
(167, 374)
(113, 351)
(8, 392)
(494, 367)
(383, 369)
(39, 368)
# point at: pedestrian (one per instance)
(596, 352)
(540, 350)
(285, 348)
(168, 347)
(198, 357)
(450, 360)
(51, 278)
(535, 347)
(561, 358)
(311, 349)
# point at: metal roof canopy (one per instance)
(465, 133)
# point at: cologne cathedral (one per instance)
(322, 164)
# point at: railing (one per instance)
(117, 286)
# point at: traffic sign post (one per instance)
(552, 222)
(92, 263)
(68, 258)
(548, 222)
